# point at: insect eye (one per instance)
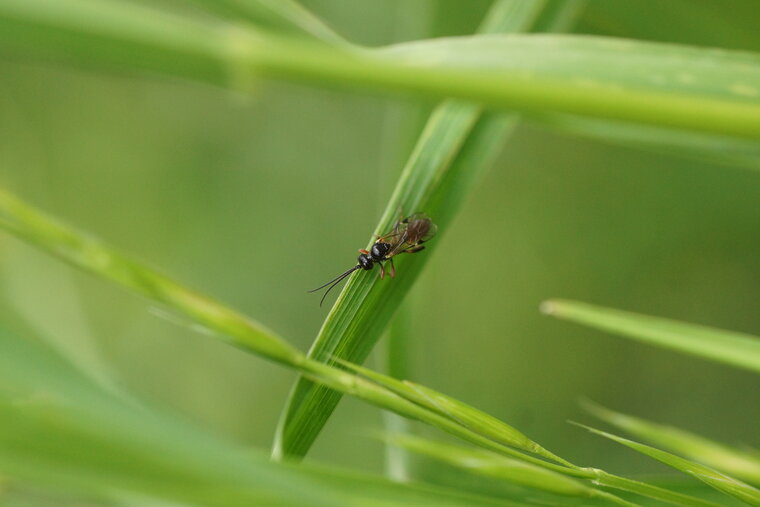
(365, 261)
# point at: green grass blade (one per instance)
(59, 430)
(101, 260)
(451, 154)
(384, 398)
(465, 415)
(344, 382)
(61, 322)
(669, 496)
(743, 465)
(737, 349)
(488, 464)
(653, 83)
(92, 255)
(724, 150)
(655, 70)
(717, 480)
(366, 304)
(281, 15)
(597, 476)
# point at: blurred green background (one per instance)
(256, 200)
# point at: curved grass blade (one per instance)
(461, 413)
(733, 461)
(286, 16)
(489, 433)
(92, 255)
(383, 398)
(717, 480)
(61, 431)
(451, 154)
(724, 150)
(485, 463)
(653, 83)
(737, 349)
(62, 322)
(554, 16)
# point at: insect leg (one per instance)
(393, 269)
(382, 272)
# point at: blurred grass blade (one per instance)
(16, 376)
(280, 15)
(454, 149)
(30, 278)
(91, 255)
(653, 83)
(737, 349)
(602, 478)
(347, 383)
(59, 430)
(461, 413)
(488, 464)
(480, 422)
(615, 71)
(717, 480)
(741, 464)
(384, 398)
(200, 473)
(724, 150)
(472, 426)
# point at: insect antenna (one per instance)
(332, 283)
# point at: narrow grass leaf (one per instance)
(348, 383)
(605, 67)
(488, 464)
(16, 375)
(94, 256)
(743, 465)
(286, 16)
(452, 153)
(386, 398)
(461, 413)
(366, 304)
(488, 425)
(62, 322)
(737, 349)
(480, 422)
(717, 480)
(653, 83)
(59, 430)
(697, 146)
(670, 496)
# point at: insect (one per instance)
(407, 236)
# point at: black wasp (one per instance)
(407, 236)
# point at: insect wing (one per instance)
(419, 228)
(412, 232)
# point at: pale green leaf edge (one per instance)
(729, 347)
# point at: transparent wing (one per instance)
(410, 232)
